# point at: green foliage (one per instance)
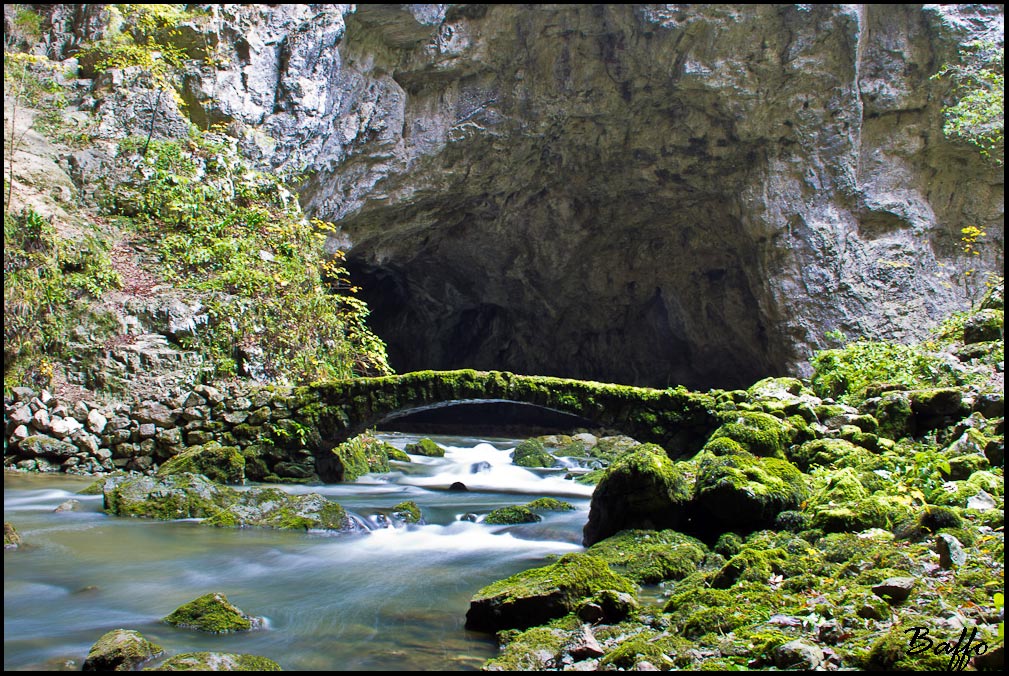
(845, 373)
(143, 40)
(977, 115)
(239, 233)
(47, 280)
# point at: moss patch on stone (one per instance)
(121, 650)
(532, 453)
(536, 596)
(212, 613)
(214, 661)
(512, 515)
(427, 448)
(650, 557)
(224, 464)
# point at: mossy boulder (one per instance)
(512, 515)
(532, 453)
(535, 649)
(895, 415)
(745, 492)
(121, 650)
(427, 448)
(177, 496)
(212, 661)
(358, 456)
(822, 452)
(214, 614)
(193, 496)
(12, 540)
(650, 557)
(550, 505)
(759, 433)
(224, 464)
(408, 512)
(984, 325)
(643, 489)
(536, 596)
(749, 565)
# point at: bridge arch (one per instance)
(335, 411)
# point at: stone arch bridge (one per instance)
(335, 411)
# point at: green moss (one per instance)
(759, 433)
(822, 452)
(224, 464)
(121, 650)
(211, 613)
(651, 648)
(643, 489)
(728, 544)
(535, 596)
(394, 453)
(427, 448)
(550, 505)
(931, 519)
(208, 661)
(531, 453)
(749, 565)
(890, 653)
(531, 650)
(723, 446)
(408, 511)
(871, 512)
(360, 455)
(649, 557)
(512, 515)
(744, 491)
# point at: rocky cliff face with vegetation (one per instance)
(640, 194)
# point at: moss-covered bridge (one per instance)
(677, 419)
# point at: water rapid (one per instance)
(392, 597)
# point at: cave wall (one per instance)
(647, 194)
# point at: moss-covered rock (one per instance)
(759, 433)
(189, 496)
(822, 452)
(121, 650)
(212, 613)
(895, 416)
(745, 492)
(358, 456)
(749, 565)
(643, 489)
(532, 453)
(212, 661)
(224, 464)
(534, 597)
(550, 505)
(408, 512)
(512, 515)
(425, 447)
(535, 649)
(12, 540)
(984, 325)
(650, 557)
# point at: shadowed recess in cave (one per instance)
(494, 417)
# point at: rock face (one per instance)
(647, 194)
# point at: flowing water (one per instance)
(391, 598)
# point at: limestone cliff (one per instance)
(648, 194)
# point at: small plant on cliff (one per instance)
(846, 373)
(240, 236)
(977, 115)
(46, 278)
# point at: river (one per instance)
(385, 599)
